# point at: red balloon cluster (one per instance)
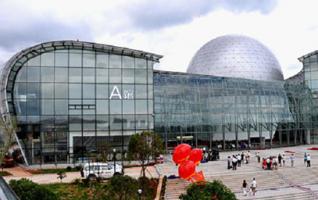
(187, 159)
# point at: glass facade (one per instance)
(229, 113)
(72, 103)
(310, 79)
(76, 99)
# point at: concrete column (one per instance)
(307, 135)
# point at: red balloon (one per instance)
(196, 155)
(181, 153)
(187, 169)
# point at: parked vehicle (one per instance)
(100, 170)
(81, 161)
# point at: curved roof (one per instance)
(12, 67)
(236, 56)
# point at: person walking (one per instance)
(242, 157)
(258, 157)
(253, 186)
(247, 157)
(305, 159)
(244, 187)
(238, 160)
(229, 162)
(284, 160)
(292, 160)
(308, 160)
(280, 160)
(268, 163)
(275, 164)
(234, 162)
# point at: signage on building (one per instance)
(117, 94)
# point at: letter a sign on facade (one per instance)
(115, 93)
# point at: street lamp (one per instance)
(139, 193)
(114, 157)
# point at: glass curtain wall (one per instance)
(75, 103)
(310, 70)
(226, 113)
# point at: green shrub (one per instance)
(208, 190)
(27, 190)
(68, 168)
(123, 187)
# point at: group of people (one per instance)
(235, 161)
(252, 188)
(272, 162)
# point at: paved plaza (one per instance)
(19, 173)
(298, 182)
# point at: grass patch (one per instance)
(67, 191)
(5, 173)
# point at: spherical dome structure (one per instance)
(236, 56)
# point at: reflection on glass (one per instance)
(141, 106)
(75, 75)
(75, 90)
(102, 60)
(88, 75)
(61, 107)
(102, 91)
(128, 62)
(114, 75)
(61, 59)
(34, 61)
(128, 107)
(102, 106)
(115, 107)
(101, 75)
(89, 60)
(61, 90)
(140, 76)
(33, 74)
(141, 63)
(47, 74)
(88, 91)
(47, 90)
(114, 61)
(128, 75)
(47, 59)
(75, 60)
(61, 74)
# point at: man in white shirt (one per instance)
(234, 162)
(308, 160)
(238, 160)
(253, 186)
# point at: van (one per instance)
(98, 170)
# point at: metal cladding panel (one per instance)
(236, 56)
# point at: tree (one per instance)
(8, 127)
(143, 147)
(215, 190)
(103, 149)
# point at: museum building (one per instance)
(74, 99)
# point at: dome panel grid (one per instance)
(236, 56)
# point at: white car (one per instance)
(98, 170)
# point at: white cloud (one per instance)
(288, 28)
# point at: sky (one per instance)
(175, 29)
